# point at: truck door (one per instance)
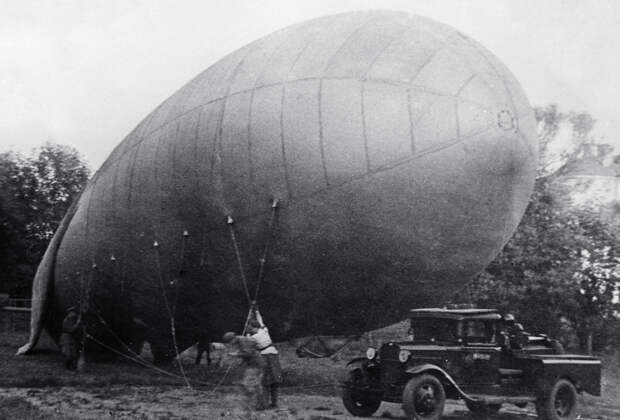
(481, 353)
(481, 365)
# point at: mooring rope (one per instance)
(171, 311)
(145, 363)
(84, 309)
(231, 222)
(263, 259)
(170, 314)
(142, 362)
(139, 359)
(327, 353)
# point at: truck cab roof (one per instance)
(456, 314)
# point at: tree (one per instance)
(558, 153)
(35, 193)
(12, 242)
(559, 272)
(549, 119)
(596, 284)
(530, 274)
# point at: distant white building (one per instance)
(593, 182)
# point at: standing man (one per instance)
(513, 331)
(512, 326)
(69, 338)
(252, 364)
(272, 376)
(203, 346)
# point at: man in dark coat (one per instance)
(69, 341)
(203, 346)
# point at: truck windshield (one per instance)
(475, 331)
(433, 329)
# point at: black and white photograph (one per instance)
(314, 210)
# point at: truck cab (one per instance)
(476, 355)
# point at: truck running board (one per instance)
(493, 399)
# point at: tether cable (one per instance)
(263, 259)
(136, 357)
(172, 375)
(231, 225)
(141, 362)
(327, 351)
(170, 314)
(84, 309)
(144, 363)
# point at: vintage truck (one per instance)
(476, 355)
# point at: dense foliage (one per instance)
(35, 193)
(559, 273)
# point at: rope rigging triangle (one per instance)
(262, 260)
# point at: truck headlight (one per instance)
(371, 352)
(403, 355)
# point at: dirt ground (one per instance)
(144, 402)
(37, 387)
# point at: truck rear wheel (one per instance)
(358, 401)
(424, 398)
(560, 403)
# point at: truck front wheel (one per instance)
(424, 398)
(560, 403)
(356, 397)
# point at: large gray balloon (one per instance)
(402, 154)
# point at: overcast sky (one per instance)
(84, 73)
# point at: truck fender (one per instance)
(361, 363)
(437, 371)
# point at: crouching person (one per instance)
(272, 376)
(69, 338)
(252, 364)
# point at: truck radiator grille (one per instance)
(391, 367)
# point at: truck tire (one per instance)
(424, 398)
(560, 403)
(358, 402)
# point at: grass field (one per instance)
(38, 387)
